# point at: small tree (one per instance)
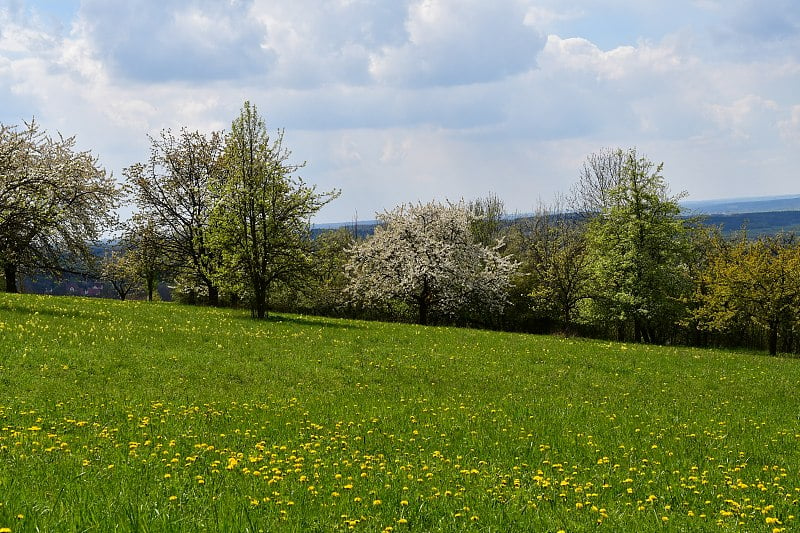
(425, 256)
(117, 267)
(487, 221)
(556, 259)
(146, 252)
(261, 222)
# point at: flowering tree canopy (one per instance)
(425, 256)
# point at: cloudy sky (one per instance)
(397, 101)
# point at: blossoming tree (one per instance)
(425, 256)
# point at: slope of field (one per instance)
(160, 417)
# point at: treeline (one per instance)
(225, 219)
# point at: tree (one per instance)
(554, 255)
(145, 252)
(55, 202)
(638, 246)
(118, 269)
(261, 223)
(487, 219)
(173, 191)
(426, 256)
(754, 282)
(601, 173)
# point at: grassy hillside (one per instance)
(169, 418)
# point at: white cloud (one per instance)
(581, 55)
(452, 42)
(790, 126)
(745, 116)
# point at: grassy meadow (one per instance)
(159, 417)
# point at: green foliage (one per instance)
(172, 192)
(261, 221)
(751, 281)
(119, 269)
(298, 424)
(639, 247)
(487, 221)
(552, 248)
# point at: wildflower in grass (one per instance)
(5, 530)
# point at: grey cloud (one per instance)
(162, 41)
(768, 21)
(752, 29)
(372, 107)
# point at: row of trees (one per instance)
(228, 212)
(214, 213)
(225, 217)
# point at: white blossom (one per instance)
(426, 256)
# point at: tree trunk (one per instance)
(213, 295)
(773, 338)
(260, 295)
(422, 318)
(424, 302)
(637, 331)
(10, 273)
(151, 283)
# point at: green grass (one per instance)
(157, 417)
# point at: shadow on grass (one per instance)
(301, 320)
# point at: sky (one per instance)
(396, 101)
